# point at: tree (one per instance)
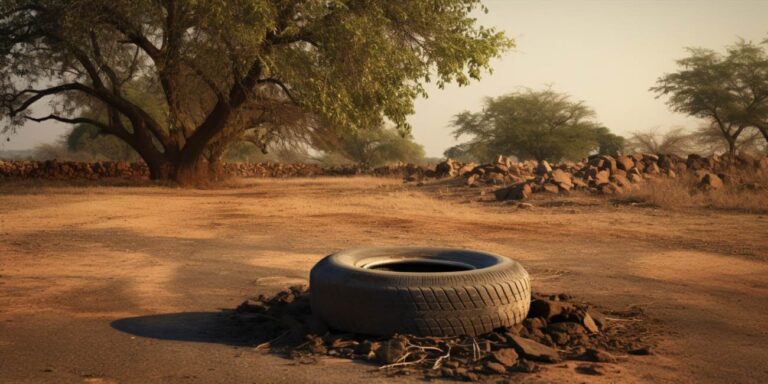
(541, 125)
(225, 70)
(377, 147)
(674, 141)
(708, 139)
(730, 91)
(607, 142)
(464, 153)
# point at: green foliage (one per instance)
(463, 153)
(375, 147)
(215, 71)
(90, 143)
(607, 142)
(728, 90)
(532, 125)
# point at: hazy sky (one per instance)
(607, 53)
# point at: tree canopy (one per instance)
(268, 69)
(541, 125)
(728, 90)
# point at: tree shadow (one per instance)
(201, 327)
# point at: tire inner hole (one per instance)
(416, 266)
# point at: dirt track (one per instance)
(123, 284)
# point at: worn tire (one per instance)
(349, 296)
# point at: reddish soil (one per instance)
(103, 284)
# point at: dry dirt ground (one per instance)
(103, 284)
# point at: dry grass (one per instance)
(748, 193)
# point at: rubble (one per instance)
(599, 174)
(68, 170)
(554, 332)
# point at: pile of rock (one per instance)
(53, 169)
(556, 330)
(598, 173)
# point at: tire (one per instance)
(366, 291)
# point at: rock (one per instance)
(505, 356)
(560, 338)
(634, 175)
(551, 188)
(620, 180)
(392, 350)
(543, 168)
(524, 205)
(534, 323)
(643, 351)
(610, 189)
(527, 367)
(561, 177)
(472, 180)
(446, 168)
(532, 350)
(602, 177)
(710, 181)
(589, 323)
(518, 191)
(566, 327)
(597, 356)
(466, 168)
(547, 309)
(579, 183)
(591, 369)
(624, 163)
(597, 316)
(493, 367)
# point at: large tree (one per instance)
(227, 69)
(540, 125)
(729, 91)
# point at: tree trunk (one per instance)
(732, 149)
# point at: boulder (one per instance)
(602, 177)
(624, 163)
(518, 191)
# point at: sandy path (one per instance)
(75, 260)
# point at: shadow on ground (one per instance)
(201, 327)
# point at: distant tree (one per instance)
(730, 91)
(607, 142)
(377, 146)
(223, 67)
(673, 141)
(541, 125)
(93, 144)
(464, 152)
(708, 139)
